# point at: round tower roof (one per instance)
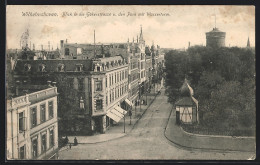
(216, 30)
(186, 90)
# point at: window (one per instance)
(80, 84)
(115, 77)
(79, 67)
(110, 97)
(99, 104)
(27, 67)
(98, 86)
(50, 104)
(126, 74)
(113, 96)
(112, 80)
(61, 68)
(109, 80)
(43, 113)
(33, 117)
(106, 81)
(21, 122)
(34, 147)
(44, 143)
(22, 152)
(106, 100)
(51, 138)
(81, 103)
(67, 51)
(42, 68)
(70, 82)
(123, 75)
(98, 68)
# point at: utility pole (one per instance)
(135, 108)
(146, 90)
(124, 123)
(130, 114)
(94, 44)
(139, 95)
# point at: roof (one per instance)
(113, 58)
(52, 65)
(186, 101)
(185, 89)
(216, 30)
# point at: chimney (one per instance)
(17, 87)
(189, 45)
(42, 47)
(61, 44)
(61, 47)
(66, 40)
(33, 47)
(49, 45)
(49, 83)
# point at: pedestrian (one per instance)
(70, 145)
(66, 140)
(75, 141)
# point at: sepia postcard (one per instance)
(138, 82)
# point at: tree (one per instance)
(223, 80)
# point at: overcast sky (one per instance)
(183, 24)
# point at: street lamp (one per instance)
(124, 123)
(130, 114)
(139, 85)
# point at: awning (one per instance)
(128, 102)
(116, 113)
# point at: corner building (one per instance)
(32, 125)
(88, 89)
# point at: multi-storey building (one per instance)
(92, 79)
(89, 89)
(89, 51)
(32, 125)
(149, 74)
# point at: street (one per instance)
(146, 142)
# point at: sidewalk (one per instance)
(117, 130)
(183, 139)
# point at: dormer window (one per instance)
(27, 67)
(61, 68)
(98, 68)
(42, 68)
(79, 67)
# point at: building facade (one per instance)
(92, 80)
(88, 89)
(32, 125)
